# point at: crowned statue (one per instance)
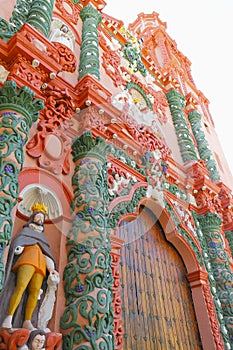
(29, 265)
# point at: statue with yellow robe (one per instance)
(29, 262)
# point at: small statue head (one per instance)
(64, 28)
(36, 340)
(40, 208)
(38, 216)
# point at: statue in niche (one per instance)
(62, 35)
(29, 263)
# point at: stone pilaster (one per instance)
(202, 144)
(89, 56)
(88, 318)
(221, 275)
(176, 103)
(18, 110)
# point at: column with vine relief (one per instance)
(18, 110)
(219, 266)
(87, 322)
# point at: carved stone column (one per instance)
(202, 144)
(37, 13)
(221, 274)
(18, 110)
(177, 103)
(16, 21)
(89, 56)
(88, 318)
(40, 15)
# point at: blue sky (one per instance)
(203, 32)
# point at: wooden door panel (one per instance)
(157, 305)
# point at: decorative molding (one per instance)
(191, 241)
(117, 302)
(127, 207)
(216, 331)
(52, 126)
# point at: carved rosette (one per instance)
(88, 318)
(51, 145)
(176, 103)
(18, 111)
(202, 144)
(222, 276)
(89, 56)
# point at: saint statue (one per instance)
(29, 263)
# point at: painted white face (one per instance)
(39, 218)
(38, 342)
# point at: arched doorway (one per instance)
(157, 306)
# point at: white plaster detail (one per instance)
(36, 193)
(120, 182)
(61, 33)
(155, 193)
(3, 74)
(185, 217)
(46, 309)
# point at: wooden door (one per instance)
(158, 311)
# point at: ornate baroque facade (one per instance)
(106, 127)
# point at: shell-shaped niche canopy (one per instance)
(36, 193)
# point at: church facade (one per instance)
(105, 127)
